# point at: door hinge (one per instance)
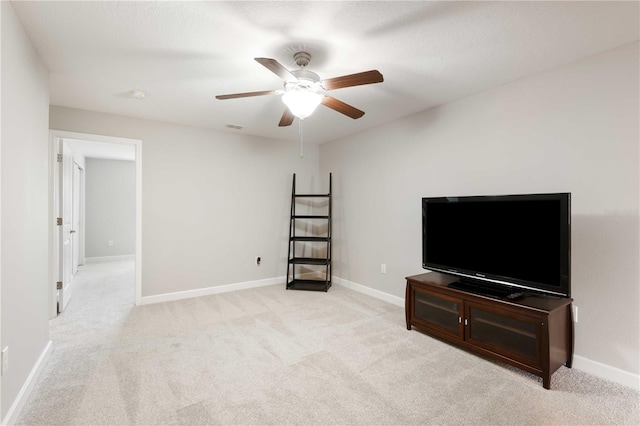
(59, 221)
(59, 285)
(59, 158)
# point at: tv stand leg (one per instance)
(546, 381)
(571, 339)
(407, 307)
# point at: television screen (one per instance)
(518, 241)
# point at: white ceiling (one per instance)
(184, 53)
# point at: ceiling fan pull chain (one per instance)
(301, 138)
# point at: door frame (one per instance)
(81, 213)
(64, 230)
(54, 137)
(78, 197)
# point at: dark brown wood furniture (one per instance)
(534, 333)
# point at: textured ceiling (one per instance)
(184, 53)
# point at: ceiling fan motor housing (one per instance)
(302, 59)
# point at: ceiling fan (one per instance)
(304, 91)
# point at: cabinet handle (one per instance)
(459, 320)
(466, 322)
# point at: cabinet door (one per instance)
(438, 312)
(504, 332)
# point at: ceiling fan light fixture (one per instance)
(301, 103)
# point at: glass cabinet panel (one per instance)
(504, 334)
(437, 311)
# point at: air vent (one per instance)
(138, 94)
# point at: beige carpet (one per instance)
(272, 356)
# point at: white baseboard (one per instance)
(27, 387)
(607, 372)
(179, 295)
(394, 300)
(99, 259)
(188, 294)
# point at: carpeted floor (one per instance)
(272, 356)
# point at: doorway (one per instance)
(69, 152)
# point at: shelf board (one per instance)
(321, 239)
(310, 261)
(312, 195)
(313, 285)
(311, 216)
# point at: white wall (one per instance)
(110, 189)
(24, 260)
(211, 201)
(572, 129)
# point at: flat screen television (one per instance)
(500, 245)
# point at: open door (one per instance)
(65, 228)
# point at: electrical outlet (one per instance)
(383, 268)
(575, 314)
(5, 360)
(258, 260)
(110, 243)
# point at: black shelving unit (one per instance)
(297, 244)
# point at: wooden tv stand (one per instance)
(534, 333)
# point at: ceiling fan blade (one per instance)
(287, 118)
(367, 77)
(277, 68)
(341, 107)
(249, 94)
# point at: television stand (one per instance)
(534, 334)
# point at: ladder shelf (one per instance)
(298, 245)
